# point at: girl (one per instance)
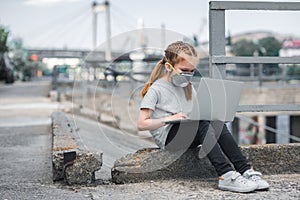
(168, 96)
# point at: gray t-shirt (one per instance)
(165, 99)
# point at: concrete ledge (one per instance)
(153, 164)
(80, 167)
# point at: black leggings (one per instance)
(215, 139)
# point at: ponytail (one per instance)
(145, 89)
(188, 91)
(157, 73)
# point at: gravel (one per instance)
(285, 186)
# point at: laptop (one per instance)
(216, 99)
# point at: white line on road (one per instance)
(21, 122)
(31, 106)
(27, 84)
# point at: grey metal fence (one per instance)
(217, 53)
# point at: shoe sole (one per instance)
(234, 189)
(262, 189)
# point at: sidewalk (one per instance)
(25, 143)
(282, 187)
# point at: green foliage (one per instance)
(268, 46)
(271, 46)
(293, 70)
(19, 57)
(244, 48)
(3, 40)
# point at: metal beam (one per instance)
(251, 5)
(216, 42)
(69, 53)
(267, 108)
(59, 53)
(255, 60)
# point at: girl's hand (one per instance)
(180, 115)
(146, 123)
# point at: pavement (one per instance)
(25, 158)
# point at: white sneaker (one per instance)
(235, 182)
(255, 176)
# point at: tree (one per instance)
(20, 59)
(3, 40)
(268, 46)
(18, 53)
(26, 65)
(6, 72)
(244, 48)
(271, 47)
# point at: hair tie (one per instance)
(164, 60)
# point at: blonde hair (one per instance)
(172, 56)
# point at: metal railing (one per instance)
(217, 53)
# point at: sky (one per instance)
(68, 23)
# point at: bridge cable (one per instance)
(55, 25)
(67, 28)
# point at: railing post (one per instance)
(216, 42)
(260, 74)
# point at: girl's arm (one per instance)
(146, 123)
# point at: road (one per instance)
(25, 143)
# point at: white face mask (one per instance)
(182, 79)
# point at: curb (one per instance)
(70, 162)
(156, 164)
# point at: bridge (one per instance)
(88, 56)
